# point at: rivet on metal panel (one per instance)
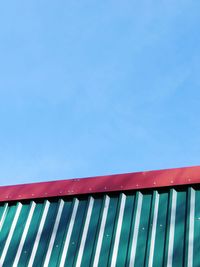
(46, 193)
(142, 228)
(171, 181)
(189, 179)
(154, 182)
(105, 188)
(73, 243)
(32, 194)
(161, 225)
(137, 185)
(19, 195)
(60, 192)
(56, 246)
(90, 189)
(25, 251)
(121, 186)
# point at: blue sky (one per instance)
(98, 87)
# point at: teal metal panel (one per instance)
(31, 234)
(125, 231)
(91, 235)
(16, 237)
(196, 242)
(161, 228)
(61, 233)
(140, 228)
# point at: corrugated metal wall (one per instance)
(156, 228)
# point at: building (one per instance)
(135, 219)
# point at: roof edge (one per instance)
(99, 184)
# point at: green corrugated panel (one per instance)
(154, 228)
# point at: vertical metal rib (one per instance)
(118, 231)
(85, 231)
(53, 236)
(39, 233)
(69, 233)
(172, 229)
(101, 231)
(136, 230)
(191, 228)
(3, 216)
(153, 233)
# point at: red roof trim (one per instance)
(111, 183)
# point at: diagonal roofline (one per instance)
(101, 184)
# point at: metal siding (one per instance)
(196, 260)
(31, 234)
(62, 228)
(16, 236)
(125, 231)
(3, 212)
(75, 239)
(161, 230)
(154, 228)
(108, 232)
(100, 232)
(91, 233)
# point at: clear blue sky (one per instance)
(98, 87)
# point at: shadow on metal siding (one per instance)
(158, 228)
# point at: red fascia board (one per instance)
(102, 184)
